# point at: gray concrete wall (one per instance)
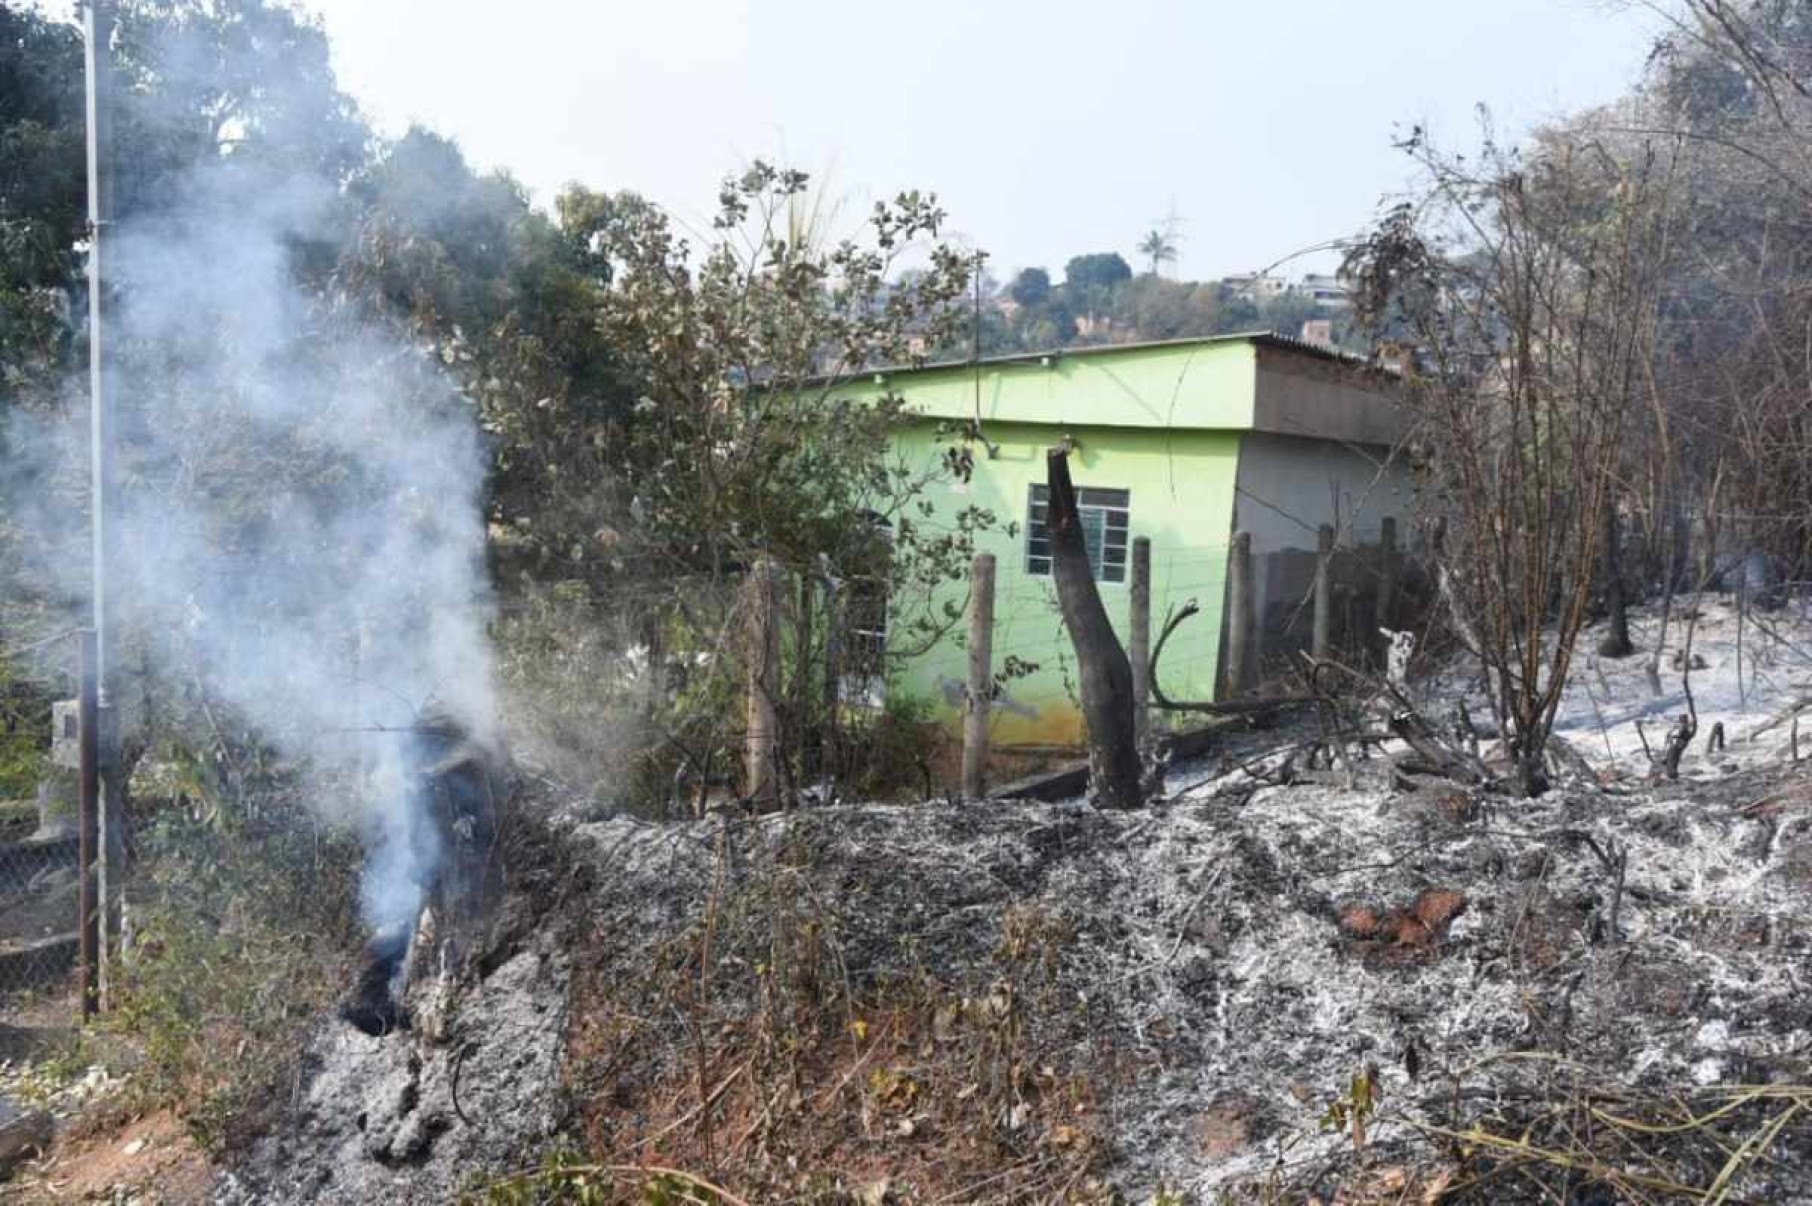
(1304, 395)
(1287, 487)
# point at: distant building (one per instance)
(1319, 331)
(1256, 287)
(1329, 292)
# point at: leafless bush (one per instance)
(1531, 289)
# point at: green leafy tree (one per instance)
(1031, 287)
(511, 299)
(43, 199)
(1101, 270)
(747, 438)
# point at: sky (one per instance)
(1047, 128)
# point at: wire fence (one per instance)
(39, 901)
(39, 885)
(871, 673)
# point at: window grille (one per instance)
(1106, 525)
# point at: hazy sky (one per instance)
(1047, 127)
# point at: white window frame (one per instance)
(1106, 516)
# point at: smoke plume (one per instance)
(298, 532)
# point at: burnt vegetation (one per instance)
(687, 913)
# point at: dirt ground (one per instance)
(149, 1161)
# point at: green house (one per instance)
(1184, 442)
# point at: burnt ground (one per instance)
(1253, 990)
(1196, 974)
(1046, 1002)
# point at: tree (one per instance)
(1159, 249)
(43, 206)
(1097, 271)
(747, 439)
(1105, 675)
(1031, 287)
(751, 438)
(510, 298)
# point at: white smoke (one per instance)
(300, 533)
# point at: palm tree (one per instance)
(1158, 247)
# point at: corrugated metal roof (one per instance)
(1270, 339)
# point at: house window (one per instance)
(1106, 520)
(865, 628)
(865, 667)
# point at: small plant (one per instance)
(1354, 1108)
(892, 751)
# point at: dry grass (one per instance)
(745, 1055)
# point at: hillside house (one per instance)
(1184, 442)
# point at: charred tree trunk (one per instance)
(1616, 641)
(1105, 674)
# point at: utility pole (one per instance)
(98, 25)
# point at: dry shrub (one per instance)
(241, 935)
(749, 1053)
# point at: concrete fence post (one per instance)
(1322, 644)
(762, 741)
(1240, 623)
(978, 708)
(1139, 634)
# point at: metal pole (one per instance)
(980, 703)
(1139, 637)
(98, 26)
(88, 827)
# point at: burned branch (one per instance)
(1233, 707)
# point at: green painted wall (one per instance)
(1195, 384)
(1182, 486)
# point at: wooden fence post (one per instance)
(1239, 614)
(1387, 573)
(1139, 634)
(1322, 644)
(805, 732)
(830, 739)
(979, 705)
(761, 751)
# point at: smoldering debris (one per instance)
(401, 1119)
(1166, 999)
(457, 788)
(472, 1085)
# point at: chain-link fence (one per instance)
(39, 905)
(39, 885)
